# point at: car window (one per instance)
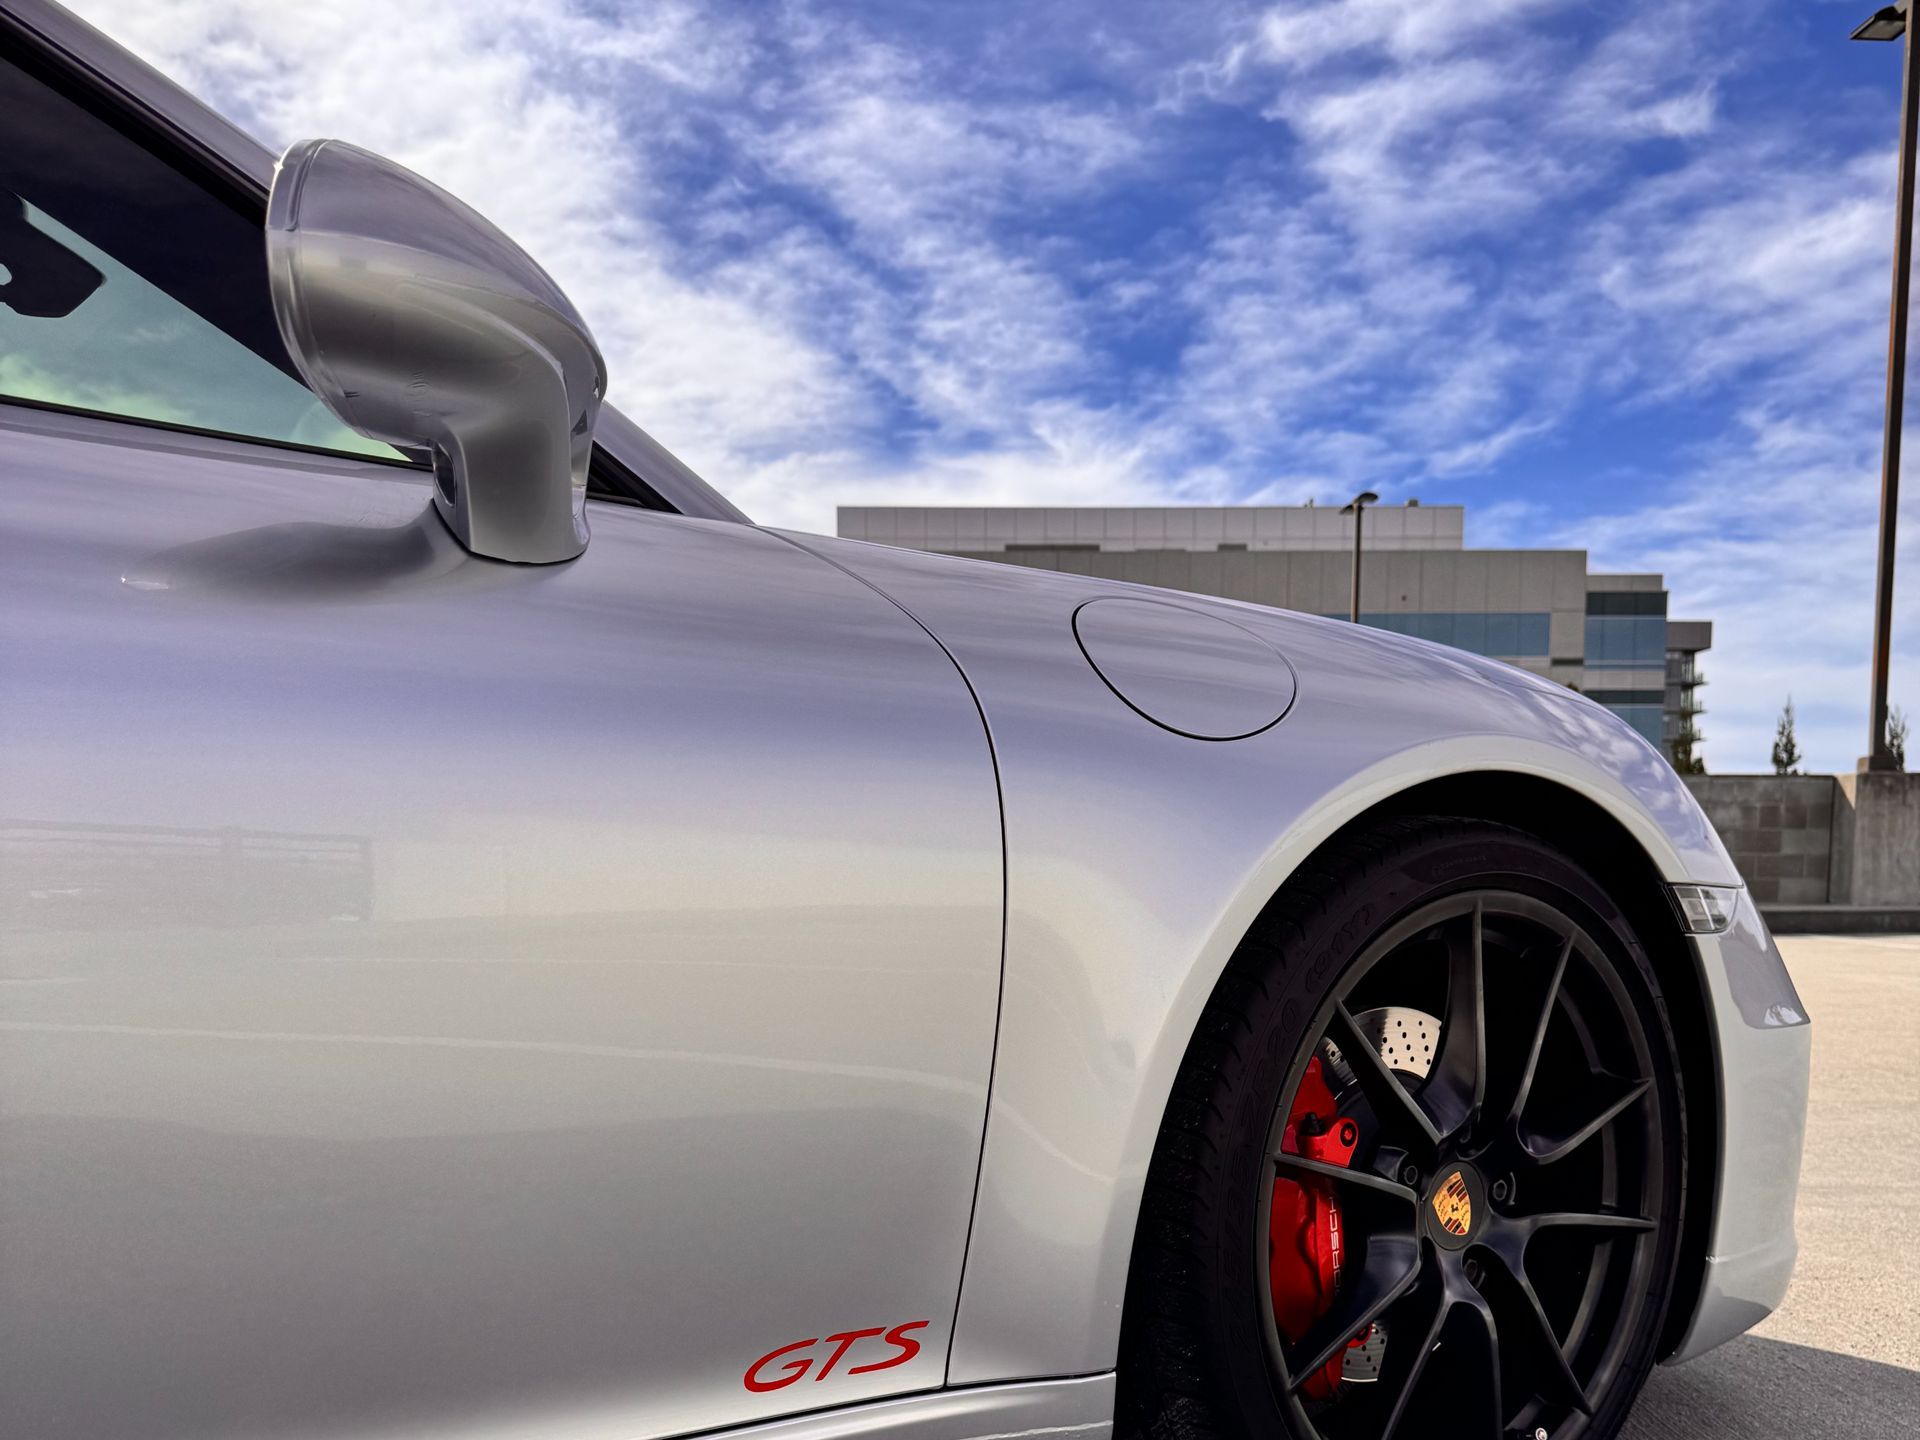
(129, 289)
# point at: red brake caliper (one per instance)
(1303, 1237)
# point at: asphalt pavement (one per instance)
(1841, 1357)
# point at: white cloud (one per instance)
(1654, 75)
(922, 182)
(1300, 37)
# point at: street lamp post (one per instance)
(1890, 23)
(1357, 507)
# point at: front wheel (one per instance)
(1423, 1170)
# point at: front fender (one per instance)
(1137, 858)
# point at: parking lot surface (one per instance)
(1842, 1356)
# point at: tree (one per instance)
(1684, 760)
(1897, 737)
(1786, 749)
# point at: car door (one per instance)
(438, 995)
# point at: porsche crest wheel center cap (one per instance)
(1456, 1205)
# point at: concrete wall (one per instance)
(1820, 839)
(1780, 829)
(1878, 830)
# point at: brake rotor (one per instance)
(1403, 1037)
(1360, 1364)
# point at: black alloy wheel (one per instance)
(1507, 1219)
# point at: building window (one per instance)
(1627, 697)
(1626, 642)
(1627, 602)
(1502, 634)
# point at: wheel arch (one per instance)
(1592, 835)
(1598, 828)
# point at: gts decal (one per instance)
(759, 1380)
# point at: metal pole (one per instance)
(1353, 610)
(1878, 757)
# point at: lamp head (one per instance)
(1889, 22)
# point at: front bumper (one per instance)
(1763, 1048)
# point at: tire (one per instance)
(1202, 1354)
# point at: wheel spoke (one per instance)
(1582, 1220)
(1391, 1267)
(1471, 1333)
(1457, 1087)
(1509, 1236)
(1392, 1105)
(1520, 1296)
(1539, 1040)
(1546, 1149)
(1406, 1361)
(1342, 1175)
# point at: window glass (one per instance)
(1500, 634)
(1503, 634)
(1650, 641)
(129, 290)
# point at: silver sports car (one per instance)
(497, 945)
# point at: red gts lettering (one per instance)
(775, 1371)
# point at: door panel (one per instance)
(444, 995)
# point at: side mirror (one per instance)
(420, 324)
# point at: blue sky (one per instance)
(1612, 275)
